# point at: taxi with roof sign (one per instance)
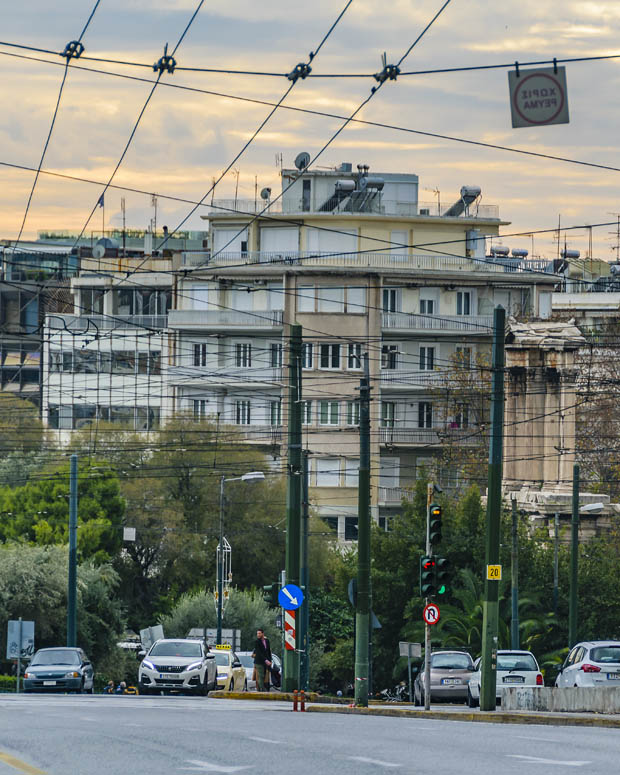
(230, 672)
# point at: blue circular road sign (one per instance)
(290, 597)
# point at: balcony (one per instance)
(265, 434)
(93, 323)
(472, 324)
(393, 496)
(429, 437)
(207, 319)
(193, 376)
(395, 378)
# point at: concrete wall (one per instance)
(575, 699)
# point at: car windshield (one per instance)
(222, 657)
(605, 654)
(176, 648)
(247, 660)
(56, 657)
(516, 662)
(451, 661)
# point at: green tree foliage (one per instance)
(21, 430)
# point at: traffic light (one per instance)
(427, 576)
(435, 524)
(270, 594)
(442, 567)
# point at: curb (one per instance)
(220, 694)
(493, 717)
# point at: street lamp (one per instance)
(250, 477)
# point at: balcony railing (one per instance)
(473, 324)
(93, 323)
(394, 495)
(268, 434)
(204, 318)
(429, 436)
(396, 378)
(187, 375)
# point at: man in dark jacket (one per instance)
(262, 658)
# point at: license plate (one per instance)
(613, 676)
(168, 675)
(49, 683)
(513, 679)
(445, 681)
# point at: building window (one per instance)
(307, 359)
(331, 299)
(462, 357)
(306, 412)
(329, 412)
(350, 528)
(306, 188)
(330, 356)
(427, 358)
(305, 298)
(243, 355)
(351, 472)
(461, 417)
(463, 303)
(389, 356)
(427, 306)
(388, 414)
(391, 299)
(353, 413)
(332, 523)
(200, 355)
(354, 360)
(275, 355)
(92, 301)
(356, 300)
(275, 412)
(328, 472)
(425, 414)
(200, 409)
(242, 412)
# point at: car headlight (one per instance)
(222, 675)
(72, 674)
(148, 664)
(193, 666)
(30, 675)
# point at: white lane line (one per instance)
(533, 739)
(265, 740)
(376, 762)
(201, 766)
(538, 760)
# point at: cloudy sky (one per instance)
(186, 138)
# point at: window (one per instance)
(391, 299)
(389, 356)
(275, 355)
(354, 360)
(329, 412)
(427, 306)
(199, 296)
(330, 356)
(200, 355)
(200, 409)
(425, 414)
(356, 300)
(306, 188)
(353, 413)
(427, 358)
(328, 472)
(463, 357)
(305, 298)
(307, 360)
(461, 417)
(92, 301)
(242, 412)
(123, 362)
(275, 412)
(306, 412)
(351, 472)
(331, 299)
(350, 528)
(332, 523)
(388, 414)
(243, 354)
(463, 303)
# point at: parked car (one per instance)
(247, 660)
(591, 663)
(514, 668)
(450, 674)
(230, 671)
(178, 665)
(62, 669)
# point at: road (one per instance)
(91, 735)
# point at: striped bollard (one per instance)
(302, 706)
(290, 637)
(294, 700)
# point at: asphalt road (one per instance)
(93, 735)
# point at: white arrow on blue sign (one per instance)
(290, 597)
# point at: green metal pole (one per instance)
(72, 581)
(574, 560)
(494, 506)
(290, 679)
(220, 564)
(362, 612)
(514, 578)
(304, 611)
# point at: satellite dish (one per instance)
(265, 194)
(302, 160)
(99, 251)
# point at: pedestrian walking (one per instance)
(262, 659)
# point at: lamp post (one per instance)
(251, 476)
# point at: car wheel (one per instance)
(471, 701)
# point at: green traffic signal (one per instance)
(441, 575)
(427, 576)
(434, 524)
(270, 594)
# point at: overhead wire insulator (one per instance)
(167, 63)
(73, 50)
(302, 70)
(389, 72)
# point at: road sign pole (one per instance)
(304, 614)
(494, 506)
(514, 579)
(409, 671)
(19, 655)
(430, 489)
(72, 580)
(574, 560)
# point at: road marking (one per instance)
(376, 762)
(209, 767)
(265, 740)
(18, 764)
(537, 739)
(538, 760)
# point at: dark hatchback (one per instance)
(64, 669)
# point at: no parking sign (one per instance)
(538, 96)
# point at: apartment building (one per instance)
(364, 267)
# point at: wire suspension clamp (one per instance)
(167, 63)
(389, 72)
(73, 50)
(302, 70)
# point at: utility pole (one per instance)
(362, 608)
(220, 564)
(72, 581)
(494, 509)
(556, 561)
(574, 559)
(290, 680)
(514, 578)
(430, 490)
(303, 626)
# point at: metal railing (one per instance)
(474, 324)
(394, 494)
(401, 378)
(269, 434)
(199, 318)
(408, 436)
(92, 323)
(231, 376)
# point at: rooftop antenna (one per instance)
(154, 205)
(279, 161)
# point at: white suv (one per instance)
(514, 668)
(178, 664)
(591, 663)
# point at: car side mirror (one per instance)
(210, 656)
(236, 664)
(141, 654)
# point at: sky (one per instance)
(185, 138)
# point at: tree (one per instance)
(21, 429)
